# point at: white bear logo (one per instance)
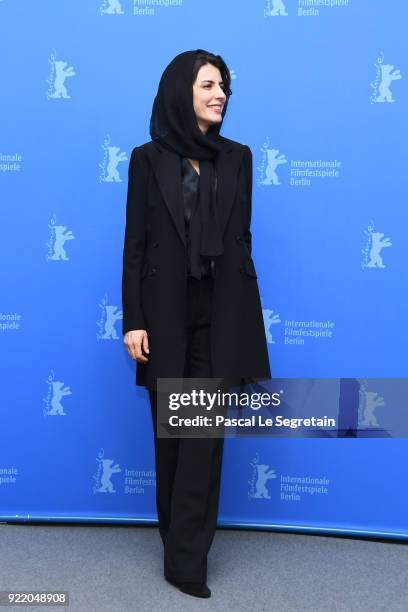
(263, 475)
(112, 315)
(58, 392)
(61, 235)
(269, 319)
(273, 160)
(378, 242)
(388, 74)
(61, 73)
(112, 7)
(278, 9)
(106, 485)
(369, 401)
(114, 157)
(106, 324)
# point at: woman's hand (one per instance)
(135, 341)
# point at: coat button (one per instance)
(238, 238)
(153, 270)
(155, 244)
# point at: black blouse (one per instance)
(191, 186)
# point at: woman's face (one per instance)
(208, 96)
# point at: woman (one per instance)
(191, 305)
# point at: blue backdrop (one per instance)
(319, 92)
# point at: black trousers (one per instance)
(188, 470)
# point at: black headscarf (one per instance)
(174, 124)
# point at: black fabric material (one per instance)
(191, 187)
(154, 267)
(188, 470)
(174, 124)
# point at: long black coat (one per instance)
(154, 278)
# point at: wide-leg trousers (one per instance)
(188, 470)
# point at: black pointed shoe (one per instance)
(197, 589)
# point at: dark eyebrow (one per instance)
(209, 81)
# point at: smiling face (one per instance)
(208, 96)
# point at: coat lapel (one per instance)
(166, 168)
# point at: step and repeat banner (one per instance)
(320, 96)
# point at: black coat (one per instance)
(154, 277)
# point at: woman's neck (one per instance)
(195, 163)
